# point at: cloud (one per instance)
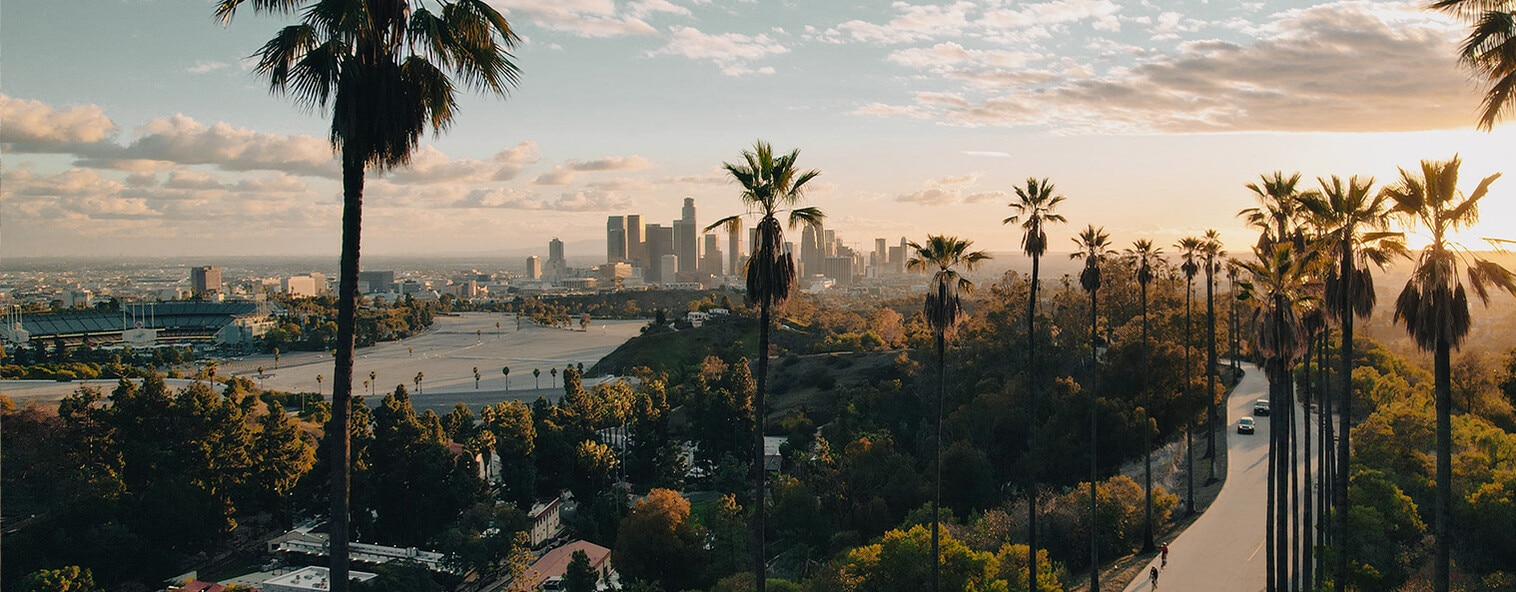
(513, 199)
(206, 66)
(732, 52)
(560, 175)
(430, 165)
(37, 128)
(1349, 66)
(564, 174)
(944, 191)
(590, 18)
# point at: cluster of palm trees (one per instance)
(1313, 265)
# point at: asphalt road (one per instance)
(1223, 550)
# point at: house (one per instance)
(547, 573)
(312, 578)
(546, 521)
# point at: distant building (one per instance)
(711, 263)
(615, 239)
(206, 279)
(668, 269)
(557, 266)
(548, 572)
(636, 251)
(734, 247)
(612, 274)
(687, 240)
(547, 521)
(533, 268)
(370, 282)
(312, 578)
(304, 285)
(840, 269)
(660, 242)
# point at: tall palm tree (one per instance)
(943, 310)
(384, 68)
(1191, 257)
(1278, 209)
(1353, 222)
(1213, 252)
(771, 185)
(1280, 283)
(1490, 51)
(1144, 254)
(1034, 207)
(1094, 247)
(1434, 304)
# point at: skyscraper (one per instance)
(636, 251)
(206, 279)
(711, 263)
(660, 242)
(615, 239)
(557, 268)
(687, 241)
(533, 268)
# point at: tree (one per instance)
(537, 374)
(383, 67)
(1353, 221)
(771, 185)
(506, 372)
(1487, 51)
(658, 542)
(1034, 207)
(280, 457)
(897, 563)
(420, 376)
(1213, 252)
(1279, 283)
(553, 382)
(64, 579)
(1434, 305)
(580, 576)
(476, 378)
(1143, 254)
(1191, 256)
(1094, 247)
(943, 310)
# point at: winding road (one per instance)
(1223, 550)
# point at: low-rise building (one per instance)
(547, 573)
(310, 579)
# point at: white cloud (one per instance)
(590, 18)
(944, 191)
(206, 66)
(35, 127)
(732, 52)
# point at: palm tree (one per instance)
(1490, 51)
(1094, 247)
(553, 379)
(506, 372)
(1280, 283)
(383, 67)
(1434, 305)
(1213, 252)
(943, 312)
(771, 185)
(1279, 205)
(373, 380)
(320, 378)
(1354, 222)
(419, 377)
(476, 378)
(1034, 207)
(1144, 254)
(537, 375)
(1191, 256)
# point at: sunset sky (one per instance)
(136, 127)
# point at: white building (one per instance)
(304, 285)
(310, 579)
(668, 268)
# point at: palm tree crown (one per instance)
(1277, 205)
(383, 66)
(1490, 51)
(1354, 221)
(1434, 303)
(942, 254)
(1143, 254)
(1034, 210)
(1094, 247)
(770, 186)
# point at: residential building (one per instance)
(547, 573)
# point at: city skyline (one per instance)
(920, 116)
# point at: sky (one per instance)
(138, 127)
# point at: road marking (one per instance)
(1255, 551)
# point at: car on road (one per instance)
(1245, 425)
(1261, 407)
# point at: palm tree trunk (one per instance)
(1294, 489)
(1147, 435)
(760, 581)
(1306, 491)
(1031, 432)
(342, 375)
(1189, 446)
(1210, 368)
(1324, 451)
(1443, 513)
(1269, 557)
(1344, 423)
(937, 489)
(1094, 452)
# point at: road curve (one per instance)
(1223, 550)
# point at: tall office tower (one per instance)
(734, 247)
(533, 268)
(897, 260)
(660, 242)
(557, 268)
(829, 242)
(206, 279)
(687, 242)
(811, 257)
(881, 253)
(615, 239)
(636, 251)
(711, 263)
(668, 268)
(840, 268)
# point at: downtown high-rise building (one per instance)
(636, 251)
(711, 262)
(615, 239)
(734, 247)
(533, 268)
(660, 242)
(687, 237)
(557, 267)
